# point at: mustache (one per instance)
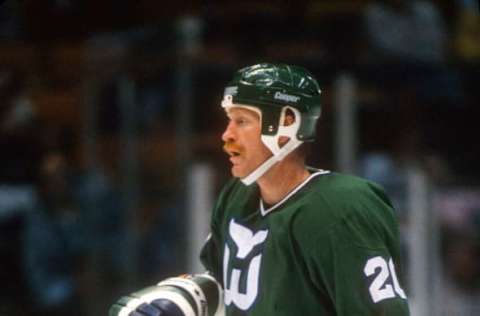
(229, 147)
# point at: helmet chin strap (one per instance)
(271, 142)
(264, 167)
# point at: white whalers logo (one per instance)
(286, 97)
(246, 241)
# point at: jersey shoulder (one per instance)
(343, 194)
(344, 205)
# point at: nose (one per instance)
(229, 133)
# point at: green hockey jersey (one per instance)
(330, 247)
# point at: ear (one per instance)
(289, 118)
(287, 121)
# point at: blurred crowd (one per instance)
(66, 229)
(64, 234)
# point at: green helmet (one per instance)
(271, 87)
(272, 90)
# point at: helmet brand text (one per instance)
(286, 97)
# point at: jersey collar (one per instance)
(315, 173)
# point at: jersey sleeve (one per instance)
(211, 254)
(354, 261)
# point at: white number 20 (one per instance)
(381, 288)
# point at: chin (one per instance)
(238, 173)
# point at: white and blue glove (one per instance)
(189, 295)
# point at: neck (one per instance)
(281, 179)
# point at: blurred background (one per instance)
(110, 125)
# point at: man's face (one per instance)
(242, 141)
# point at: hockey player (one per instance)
(286, 239)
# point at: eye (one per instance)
(241, 121)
